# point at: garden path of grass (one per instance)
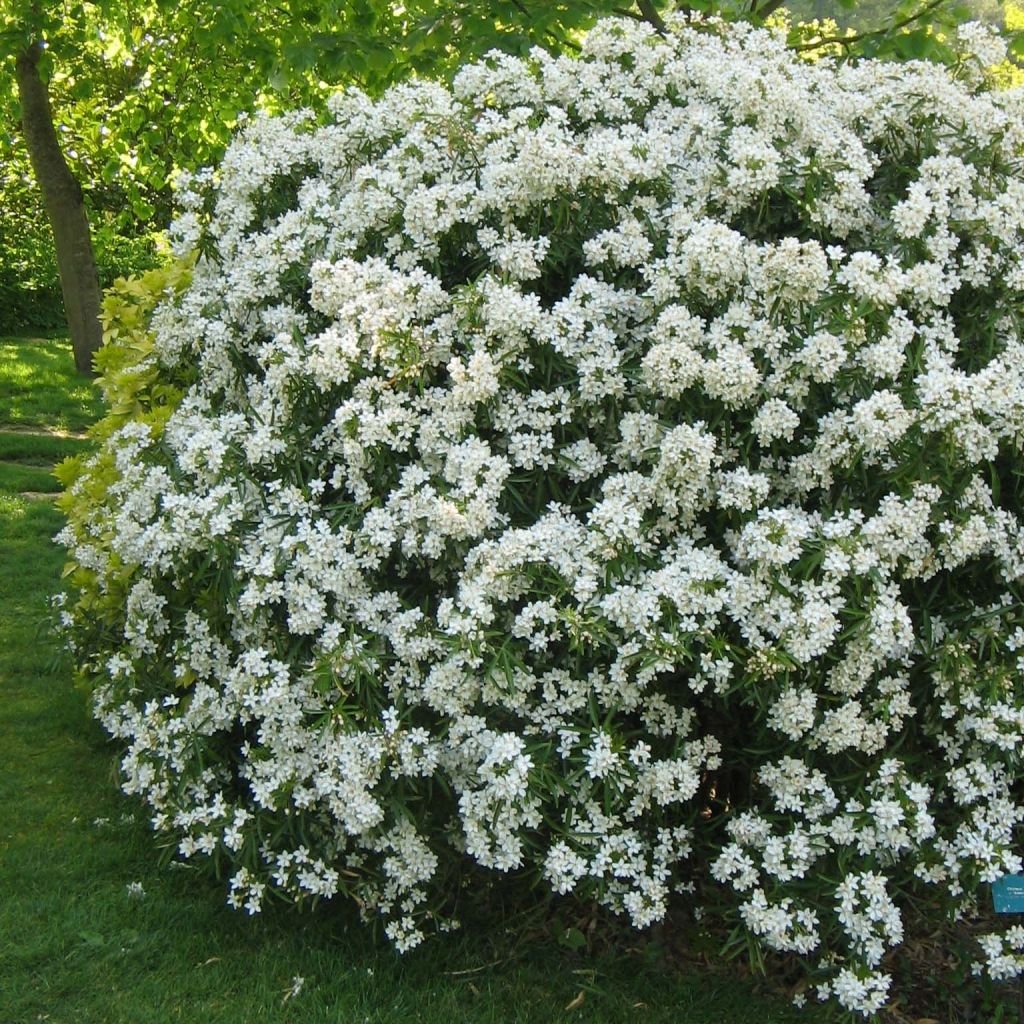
(76, 947)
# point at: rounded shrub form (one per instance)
(609, 470)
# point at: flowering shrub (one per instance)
(608, 469)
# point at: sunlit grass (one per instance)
(15, 477)
(40, 388)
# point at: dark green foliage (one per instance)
(30, 295)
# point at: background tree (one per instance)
(107, 100)
(112, 98)
(869, 15)
(61, 192)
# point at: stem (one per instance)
(848, 41)
(650, 14)
(768, 9)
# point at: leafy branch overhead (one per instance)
(141, 90)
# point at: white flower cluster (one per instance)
(609, 468)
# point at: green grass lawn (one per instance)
(15, 477)
(77, 947)
(39, 389)
(38, 449)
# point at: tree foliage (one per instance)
(144, 88)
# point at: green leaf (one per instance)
(142, 209)
(915, 44)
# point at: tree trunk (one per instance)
(65, 208)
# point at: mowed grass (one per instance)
(39, 388)
(77, 947)
(38, 449)
(42, 401)
(15, 477)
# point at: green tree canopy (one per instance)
(138, 89)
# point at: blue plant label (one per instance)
(1008, 894)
